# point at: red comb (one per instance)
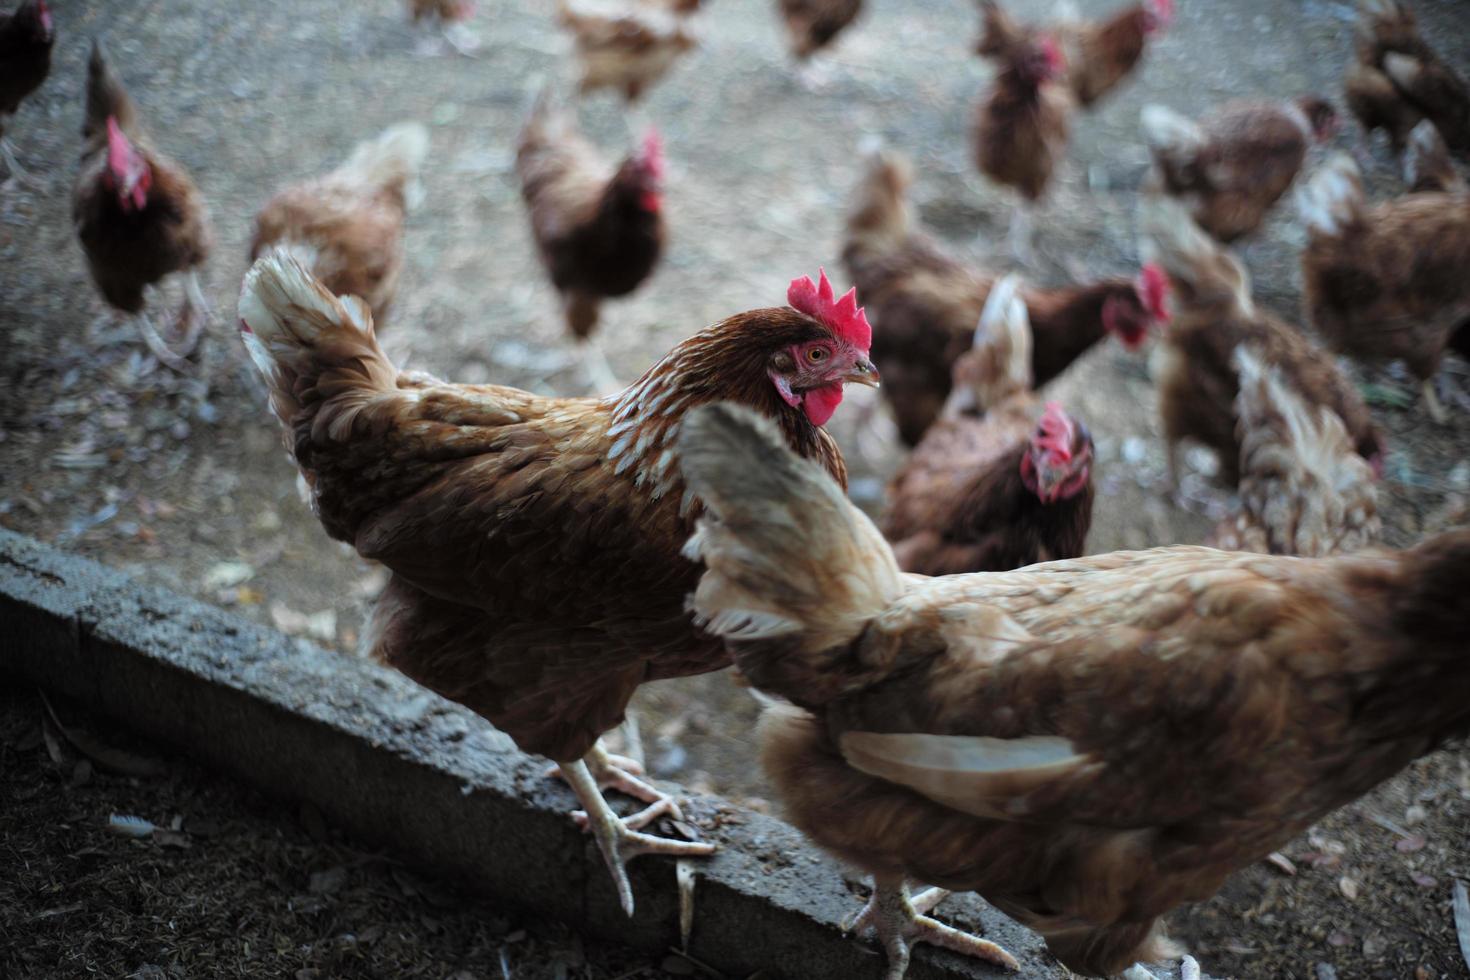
(118, 147)
(1163, 11)
(842, 316)
(1052, 51)
(652, 154)
(1055, 432)
(1153, 287)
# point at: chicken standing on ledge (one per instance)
(999, 481)
(1232, 166)
(627, 45)
(599, 230)
(1087, 744)
(925, 303)
(347, 226)
(1304, 490)
(137, 214)
(535, 541)
(26, 38)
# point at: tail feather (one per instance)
(787, 555)
(394, 157)
(105, 97)
(1427, 165)
(1333, 199)
(1430, 604)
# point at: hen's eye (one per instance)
(816, 354)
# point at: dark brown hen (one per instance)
(1087, 744)
(535, 542)
(26, 37)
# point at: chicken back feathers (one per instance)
(137, 214)
(627, 46)
(534, 541)
(347, 226)
(1085, 743)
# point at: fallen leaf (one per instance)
(129, 826)
(1281, 863)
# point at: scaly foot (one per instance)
(1188, 970)
(900, 923)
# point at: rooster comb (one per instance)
(1153, 288)
(842, 316)
(1163, 11)
(1055, 432)
(651, 153)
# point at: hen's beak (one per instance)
(862, 372)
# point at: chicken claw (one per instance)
(616, 838)
(900, 922)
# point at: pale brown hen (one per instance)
(1232, 166)
(1304, 490)
(535, 541)
(1214, 313)
(627, 45)
(1387, 282)
(1397, 79)
(347, 226)
(1087, 743)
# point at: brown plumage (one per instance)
(445, 11)
(1387, 281)
(26, 39)
(599, 230)
(1232, 166)
(534, 541)
(1022, 121)
(1214, 314)
(627, 45)
(1397, 79)
(998, 482)
(1087, 743)
(813, 24)
(925, 303)
(1304, 490)
(1099, 55)
(1427, 164)
(347, 225)
(137, 214)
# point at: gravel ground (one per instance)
(182, 481)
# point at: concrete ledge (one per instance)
(394, 765)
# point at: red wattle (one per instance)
(821, 403)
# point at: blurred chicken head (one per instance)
(811, 374)
(1320, 115)
(35, 18)
(1129, 316)
(1058, 462)
(127, 174)
(647, 169)
(1041, 62)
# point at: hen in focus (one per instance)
(1214, 314)
(26, 38)
(1387, 282)
(1304, 490)
(999, 481)
(1398, 79)
(1087, 744)
(347, 226)
(925, 303)
(1233, 165)
(534, 542)
(137, 214)
(627, 45)
(599, 229)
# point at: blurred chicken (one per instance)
(1086, 743)
(814, 24)
(535, 541)
(347, 226)
(1021, 127)
(1098, 54)
(599, 229)
(1387, 282)
(926, 303)
(1304, 490)
(26, 38)
(452, 17)
(1232, 166)
(1214, 314)
(999, 481)
(627, 45)
(1427, 164)
(137, 214)
(1398, 79)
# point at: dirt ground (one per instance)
(181, 481)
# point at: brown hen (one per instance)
(535, 541)
(925, 303)
(1397, 79)
(26, 38)
(1214, 313)
(1087, 743)
(137, 213)
(999, 481)
(627, 45)
(347, 226)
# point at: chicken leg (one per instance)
(618, 838)
(900, 922)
